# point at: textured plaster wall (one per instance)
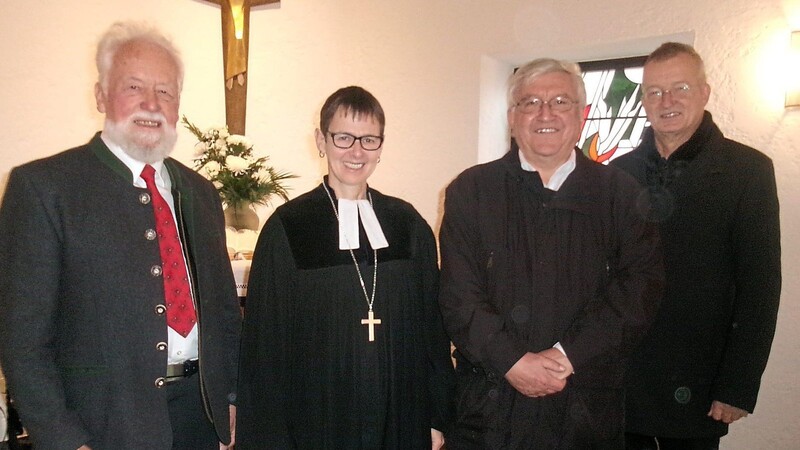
(435, 65)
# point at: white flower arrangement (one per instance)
(227, 160)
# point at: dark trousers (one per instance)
(191, 429)
(641, 442)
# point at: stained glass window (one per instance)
(614, 117)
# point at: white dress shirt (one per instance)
(179, 348)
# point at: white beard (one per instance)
(145, 146)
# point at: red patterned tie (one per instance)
(180, 309)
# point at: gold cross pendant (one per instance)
(371, 321)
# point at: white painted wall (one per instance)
(434, 64)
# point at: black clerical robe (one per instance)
(309, 376)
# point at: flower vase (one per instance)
(241, 217)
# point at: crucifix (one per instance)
(371, 321)
(235, 41)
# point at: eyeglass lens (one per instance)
(346, 140)
(680, 90)
(533, 105)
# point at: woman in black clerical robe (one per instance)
(343, 345)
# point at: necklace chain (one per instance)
(370, 300)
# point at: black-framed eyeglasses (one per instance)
(678, 90)
(346, 140)
(533, 105)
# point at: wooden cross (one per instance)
(235, 41)
(371, 321)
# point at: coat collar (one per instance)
(99, 148)
(706, 133)
(574, 194)
(181, 193)
(679, 166)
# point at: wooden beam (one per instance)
(235, 48)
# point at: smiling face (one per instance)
(675, 118)
(546, 138)
(141, 101)
(349, 169)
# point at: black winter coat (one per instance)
(524, 268)
(716, 204)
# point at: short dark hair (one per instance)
(355, 101)
(669, 50)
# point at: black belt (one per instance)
(182, 370)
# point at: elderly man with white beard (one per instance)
(119, 322)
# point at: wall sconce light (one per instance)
(793, 75)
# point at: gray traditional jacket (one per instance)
(79, 316)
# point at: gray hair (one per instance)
(123, 33)
(669, 50)
(528, 73)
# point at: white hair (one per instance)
(122, 33)
(528, 73)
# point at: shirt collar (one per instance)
(135, 166)
(559, 175)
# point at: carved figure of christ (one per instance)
(235, 41)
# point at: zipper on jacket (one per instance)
(195, 296)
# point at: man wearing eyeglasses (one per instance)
(715, 201)
(549, 277)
